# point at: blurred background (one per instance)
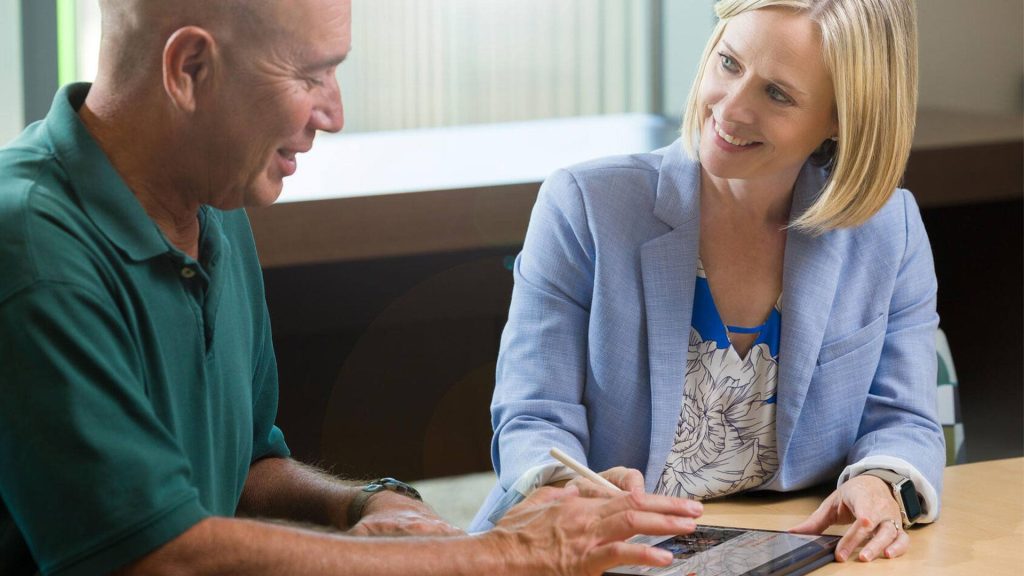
(387, 260)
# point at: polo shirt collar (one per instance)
(102, 193)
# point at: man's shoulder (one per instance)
(24, 160)
(39, 219)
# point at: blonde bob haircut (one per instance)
(870, 51)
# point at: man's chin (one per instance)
(265, 194)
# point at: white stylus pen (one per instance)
(593, 477)
(582, 470)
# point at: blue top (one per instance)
(725, 438)
(710, 327)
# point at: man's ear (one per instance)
(188, 65)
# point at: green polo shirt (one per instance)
(137, 385)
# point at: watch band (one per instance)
(358, 503)
(903, 491)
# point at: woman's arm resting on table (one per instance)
(542, 365)
(899, 427)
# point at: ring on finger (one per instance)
(897, 525)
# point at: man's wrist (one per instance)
(361, 502)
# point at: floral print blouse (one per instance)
(725, 438)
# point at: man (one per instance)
(138, 376)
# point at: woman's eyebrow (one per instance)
(787, 86)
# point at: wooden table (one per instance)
(980, 530)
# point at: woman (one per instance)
(752, 307)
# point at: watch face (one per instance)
(909, 496)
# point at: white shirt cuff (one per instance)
(532, 479)
(542, 475)
(925, 491)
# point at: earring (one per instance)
(834, 138)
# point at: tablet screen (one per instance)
(717, 551)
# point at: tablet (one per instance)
(718, 551)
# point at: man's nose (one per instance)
(329, 115)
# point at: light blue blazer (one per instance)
(593, 356)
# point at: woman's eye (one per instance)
(315, 82)
(728, 63)
(778, 95)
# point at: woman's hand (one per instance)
(868, 503)
(627, 479)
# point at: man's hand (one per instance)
(556, 531)
(391, 514)
(869, 504)
(627, 479)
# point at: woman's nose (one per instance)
(735, 106)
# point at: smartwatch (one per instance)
(903, 491)
(358, 504)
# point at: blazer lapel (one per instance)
(669, 266)
(810, 274)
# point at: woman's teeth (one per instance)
(732, 139)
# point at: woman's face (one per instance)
(767, 97)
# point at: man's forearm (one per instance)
(285, 489)
(554, 531)
(238, 546)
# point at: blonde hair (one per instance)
(870, 51)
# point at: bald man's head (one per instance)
(134, 32)
(231, 90)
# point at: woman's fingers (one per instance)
(590, 489)
(625, 479)
(883, 538)
(628, 479)
(886, 534)
(900, 546)
(860, 531)
(546, 494)
(820, 519)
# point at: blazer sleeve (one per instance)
(542, 364)
(900, 422)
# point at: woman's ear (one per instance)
(188, 60)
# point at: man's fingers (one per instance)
(885, 535)
(614, 554)
(653, 503)
(627, 523)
